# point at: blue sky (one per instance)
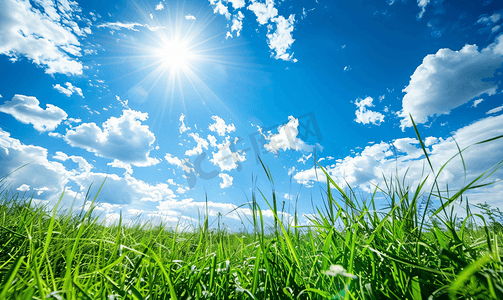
(173, 100)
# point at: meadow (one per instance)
(414, 248)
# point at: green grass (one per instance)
(352, 250)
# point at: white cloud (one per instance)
(190, 17)
(48, 178)
(201, 143)
(128, 25)
(449, 79)
(182, 127)
(281, 40)
(422, 5)
(368, 167)
(227, 180)
(430, 141)
(263, 11)
(303, 159)
(366, 116)
(477, 102)
(84, 166)
(237, 4)
(220, 8)
(38, 35)
(220, 127)
(286, 138)
(173, 160)
(124, 103)
(237, 23)
(224, 158)
(27, 111)
(23, 188)
(159, 6)
(123, 138)
(185, 164)
(69, 90)
(288, 196)
(123, 190)
(120, 25)
(121, 165)
(38, 172)
(495, 110)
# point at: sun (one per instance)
(175, 55)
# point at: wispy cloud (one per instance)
(69, 90)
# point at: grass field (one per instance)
(350, 250)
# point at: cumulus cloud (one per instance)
(220, 127)
(280, 40)
(366, 116)
(366, 168)
(237, 4)
(37, 33)
(47, 180)
(23, 188)
(227, 180)
(123, 138)
(190, 17)
(263, 11)
(27, 111)
(449, 79)
(69, 90)
(237, 23)
(159, 6)
(286, 138)
(38, 172)
(123, 190)
(220, 8)
(226, 158)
